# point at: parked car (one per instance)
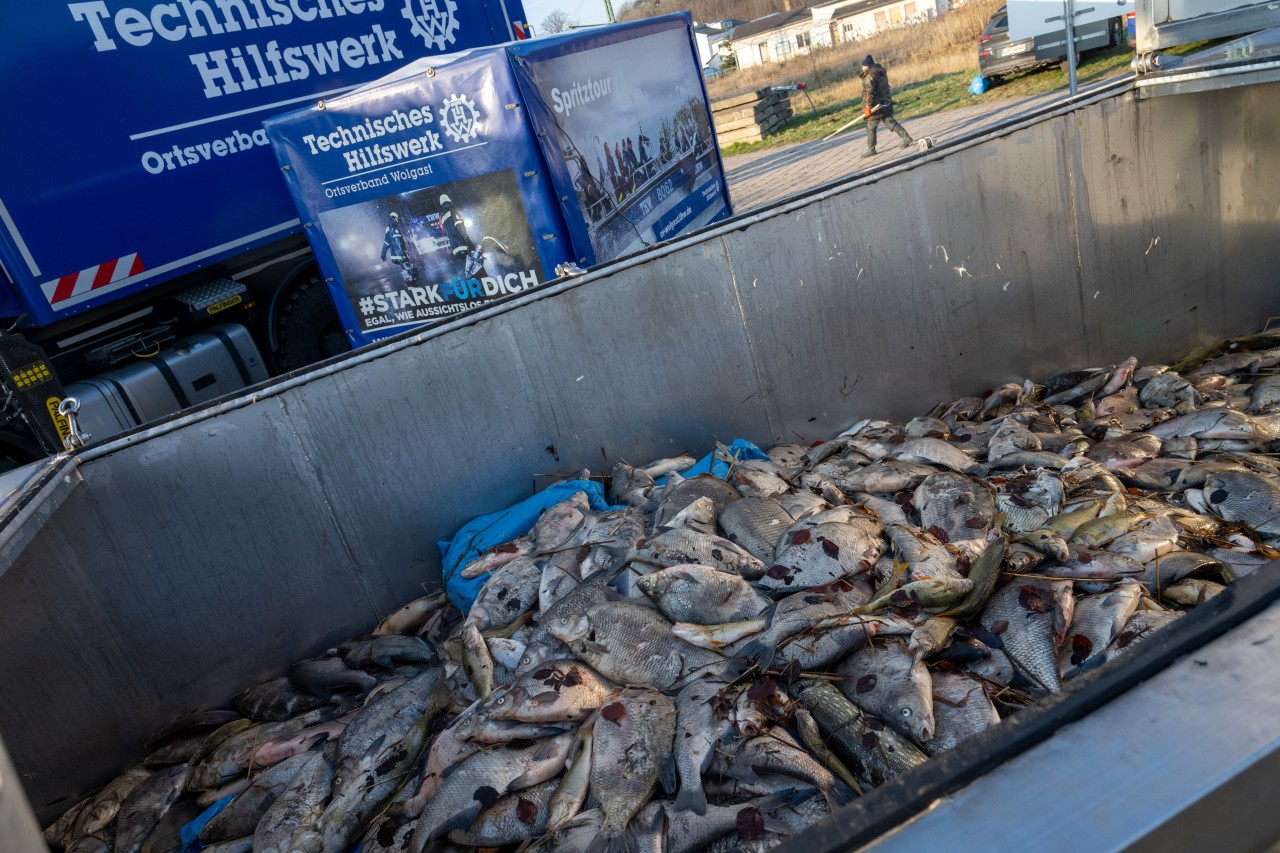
(999, 57)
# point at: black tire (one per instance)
(17, 450)
(307, 326)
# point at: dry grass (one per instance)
(945, 45)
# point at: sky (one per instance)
(582, 11)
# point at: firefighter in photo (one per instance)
(395, 247)
(455, 230)
(877, 104)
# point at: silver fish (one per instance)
(955, 507)
(698, 729)
(961, 709)
(1098, 620)
(292, 821)
(755, 523)
(892, 684)
(631, 744)
(702, 594)
(1021, 614)
(813, 556)
(480, 780)
(557, 691)
(631, 644)
(681, 545)
(511, 819)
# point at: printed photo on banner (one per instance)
(435, 252)
(633, 127)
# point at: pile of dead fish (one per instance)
(723, 662)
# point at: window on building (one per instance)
(802, 41)
(882, 19)
(846, 31)
(782, 47)
(909, 9)
(895, 15)
(764, 51)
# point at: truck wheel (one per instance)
(17, 450)
(308, 329)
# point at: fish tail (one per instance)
(692, 798)
(612, 842)
(759, 651)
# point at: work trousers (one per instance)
(890, 122)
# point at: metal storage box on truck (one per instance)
(128, 607)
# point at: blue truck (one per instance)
(152, 257)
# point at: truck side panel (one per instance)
(135, 151)
(214, 552)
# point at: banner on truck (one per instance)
(423, 193)
(623, 120)
(141, 152)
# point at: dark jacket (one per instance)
(875, 89)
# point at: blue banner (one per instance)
(134, 147)
(624, 123)
(423, 193)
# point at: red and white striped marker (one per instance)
(77, 284)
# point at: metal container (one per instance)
(203, 553)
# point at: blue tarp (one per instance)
(190, 834)
(496, 528)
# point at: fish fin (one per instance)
(612, 843)
(777, 827)
(318, 744)
(767, 613)
(743, 773)
(759, 651)
(597, 648)
(667, 775)
(376, 746)
(620, 583)
(692, 799)
(591, 802)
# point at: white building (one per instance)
(710, 37)
(824, 23)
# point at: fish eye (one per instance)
(906, 712)
(527, 659)
(502, 700)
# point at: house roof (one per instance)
(774, 21)
(844, 8)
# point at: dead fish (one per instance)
(892, 684)
(717, 637)
(755, 523)
(680, 545)
(826, 552)
(1098, 620)
(955, 507)
(874, 752)
(510, 591)
(1021, 615)
(1192, 592)
(1139, 627)
(961, 709)
(511, 819)
(291, 823)
(276, 700)
(241, 816)
(702, 595)
(685, 491)
(1241, 496)
(698, 729)
(799, 611)
(557, 691)
(480, 780)
(412, 616)
(631, 644)
(146, 805)
(631, 746)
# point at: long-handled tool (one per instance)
(848, 125)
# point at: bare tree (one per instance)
(557, 22)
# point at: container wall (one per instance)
(214, 553)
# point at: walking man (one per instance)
(877, 104)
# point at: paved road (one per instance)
(759, 177)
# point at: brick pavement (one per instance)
(760, 177)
